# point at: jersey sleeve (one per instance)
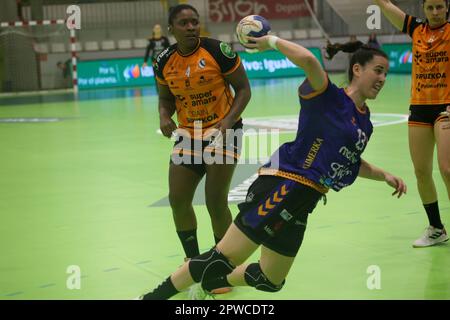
(410, 24)
(160, 63)
(226, 58)
(309, 97)
(166, 42)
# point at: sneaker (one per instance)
(431, 237)
(196, 292)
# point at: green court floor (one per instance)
(84, 183)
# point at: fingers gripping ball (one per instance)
(253, 26)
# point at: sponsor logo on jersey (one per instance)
(202, 63)
(227, 51)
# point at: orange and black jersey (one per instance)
(202, 95)
(431, 67)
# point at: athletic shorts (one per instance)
(275, 213)
(197, 154)
(424, 115)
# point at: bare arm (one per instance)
(239, 81)
(299, 55)
(369, 171)
(166, 107)
(393, 13)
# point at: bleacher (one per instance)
(127, 44)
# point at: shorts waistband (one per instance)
(293, 177)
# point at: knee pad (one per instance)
(210, 265)
(257, 279)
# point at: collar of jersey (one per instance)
(193, 51)
(435, 28)
(357, 109)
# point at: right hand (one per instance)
(144, 64)
(167, 126)
(397, 183)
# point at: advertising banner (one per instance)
(130, 73)
(400, 57)
(272, 64)
(235, 10)
(114, 73)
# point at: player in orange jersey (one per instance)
(430, 97)
(196, 79)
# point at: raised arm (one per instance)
(393, 13)
(298, 55)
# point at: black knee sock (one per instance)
(163, 292)
(189, 242)
(212, 284)
(434, 218)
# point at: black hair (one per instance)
(446, 2)
(173, 11)
(362, 54)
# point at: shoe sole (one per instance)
(221, 290)
(431, 245)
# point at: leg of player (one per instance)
(268, 275)
(442, 133)
(232, 250)
(182, 184)
(421, 147)
(217, 186)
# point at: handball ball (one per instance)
(253, 26)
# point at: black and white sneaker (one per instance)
(431, 237)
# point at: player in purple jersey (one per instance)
(334, 129)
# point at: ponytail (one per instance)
(334, 48)
(362, 54)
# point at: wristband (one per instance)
(273, 42)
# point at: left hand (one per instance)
(397, 183)
(260, 44)
(220, 129)
(224, 124)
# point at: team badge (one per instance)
(227, 51)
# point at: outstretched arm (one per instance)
(369, 171)
(393, 13)
(298, 54)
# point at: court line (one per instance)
(48, 285)
(143, 262)
(14, 294)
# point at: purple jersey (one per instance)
(331, 136)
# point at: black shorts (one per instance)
(195, 155)
(275, 213)
(424, 115)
